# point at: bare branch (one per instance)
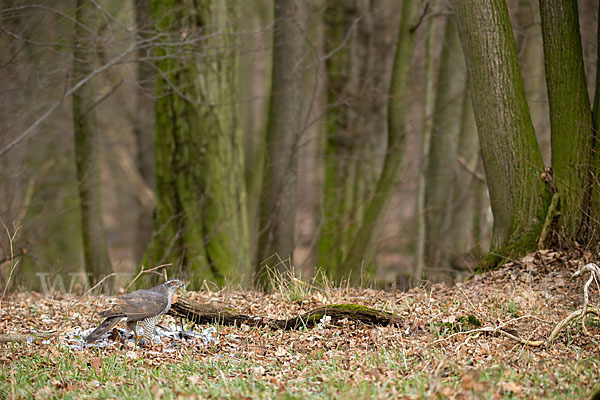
(132, 47)
(145, 271)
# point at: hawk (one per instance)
(144, 305)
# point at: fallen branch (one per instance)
(206, 313)
(594, 276)
(575, 314)
(23, 338)
(497, 329)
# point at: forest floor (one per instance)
(439, 351)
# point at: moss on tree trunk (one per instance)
(351, 31)
(511, 156)
(201, 217)
(397, 103)
(573, 160)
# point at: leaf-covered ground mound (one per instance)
(439, 349)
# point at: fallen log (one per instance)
(206, 313)
(23, 338)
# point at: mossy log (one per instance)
(206, 313)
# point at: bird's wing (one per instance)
(141, 304)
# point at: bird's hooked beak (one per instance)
(179, 284)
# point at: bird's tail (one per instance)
(104, 327)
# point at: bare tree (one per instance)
(201, 220)
(511, 156)
(278, 196)
(143, 128)
(387, 181)
(97, 262)
(443, 154)
(574, 161)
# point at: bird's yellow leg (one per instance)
(132, 326)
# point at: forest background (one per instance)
(237, 139)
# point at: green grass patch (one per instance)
(382, 373)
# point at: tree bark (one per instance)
(511, 156)
(255, 80)
(340, 144)
(570, 116)
(350, 129)
(428, 104)
(143, 128)
(443, 153)
(201, 218)
(461, 240)
(207, 313)
(87, 158)
(278, 197)
(596, 108)
(397, 103)
(528, 36)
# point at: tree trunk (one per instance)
(349, 149)
(570, 116)
(143, 128)
(443, 153)
(428, 104)
(461, 240)
(595, 197)
(397, 104)
(201, 218)
(597, 92)
(339, 18)
(255, 81)
(511, 157)
(278, 197)
(87, 160)
(528, 36)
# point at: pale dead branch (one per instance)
(146, 271)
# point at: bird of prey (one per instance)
(144, 305)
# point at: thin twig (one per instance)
(499, 329)
(145, 271)
(69, 92)
(18, 253)
(421, 17)
(13, 264)
(463, 163)
(98, 284)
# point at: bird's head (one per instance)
(174, 284)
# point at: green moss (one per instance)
(473, 320)
(201, 223)
(490, 262)
(461, 324)
(351, 307)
